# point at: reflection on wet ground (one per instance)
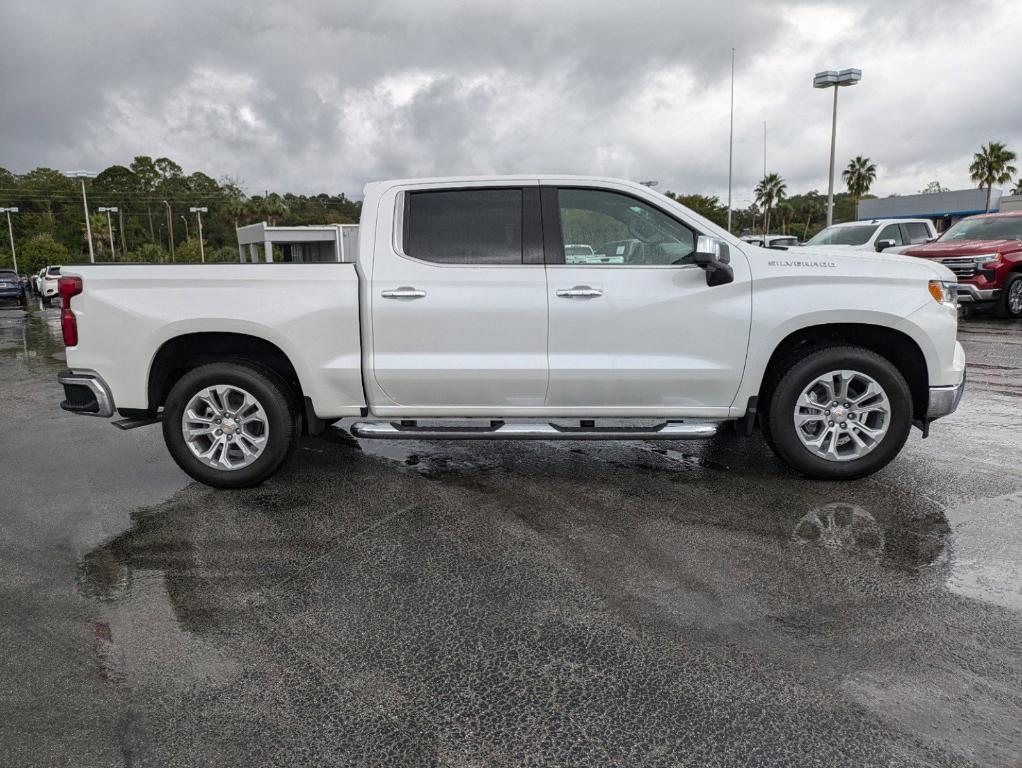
(410, 603)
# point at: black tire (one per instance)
(1003, 307)
(264, 385)
(801, 372)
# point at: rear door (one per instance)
(459, 301)
(634, 328)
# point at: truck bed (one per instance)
(309, 311)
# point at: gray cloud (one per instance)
(325, 96)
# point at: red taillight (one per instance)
(68, 287)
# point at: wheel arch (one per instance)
(894, 345)
(180, 354)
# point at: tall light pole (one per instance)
(834, 79)
(83, 175)
(10, 232)
(731, 141)
(187, 235)
(198, 214)
(110, 228)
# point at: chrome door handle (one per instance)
(404, 292)
(579, 292)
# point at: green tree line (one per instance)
(152, 197)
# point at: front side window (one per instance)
(464, 226)
(891, 232)
(601, 227)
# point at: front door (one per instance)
(458, 295)
(634, 328)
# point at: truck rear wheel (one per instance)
(840, 413)
(230, 425)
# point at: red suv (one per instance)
(985, 252)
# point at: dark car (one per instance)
(12, 289)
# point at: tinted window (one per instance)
(53, 270)
(601, 227)
(855, 235)
(466, 226)
(917, 233)
(891, 232)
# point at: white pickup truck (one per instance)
(465, 317)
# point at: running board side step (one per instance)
(670, 430)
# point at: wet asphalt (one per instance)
(505, 604)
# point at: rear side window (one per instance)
(464, 226)
(917, 233)
(53, 270)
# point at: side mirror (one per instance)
(713, 257)
(932, 239)
(883, 244)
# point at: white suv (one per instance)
(888, 235)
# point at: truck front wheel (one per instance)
(230, 425)
(840, 413)
(1010, 304)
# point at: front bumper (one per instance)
(970, 294)
(86, 393)
(945, 400)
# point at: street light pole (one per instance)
(198, 214)
(731, 141)
(833, 79)
(110, 229)
(10, 232)
(83, 175)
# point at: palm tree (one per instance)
(992, 165)
(770, 191)
(859, 177)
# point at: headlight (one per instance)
(945, 293)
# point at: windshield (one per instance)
(844, 235)
(994, 228)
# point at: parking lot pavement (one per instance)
(475, 604)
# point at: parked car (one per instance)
(985, 252)
(890, 235)
(12, 290)
(462, 306)
(48, 284)
(772, 241)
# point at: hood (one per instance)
(847, 259)
(962, 248)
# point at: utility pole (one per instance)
(170, 229)
(124, 242)
(110, 230)
(198, 214)
(10, 232)
(731, 141)
(83, 175)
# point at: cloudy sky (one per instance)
(326, 95)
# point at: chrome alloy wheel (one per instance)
(842, 415)
(225, 427)
(1015, 296)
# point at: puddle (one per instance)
(986, 551)
(416, 455)
(33, 337)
